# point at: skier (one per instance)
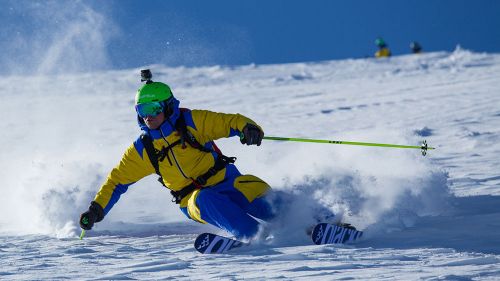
(383, 49)
(177, 144)
(415, 47)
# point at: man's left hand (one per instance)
(252, 134)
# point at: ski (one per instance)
(209, 243)
(322, 233)
(325, 233)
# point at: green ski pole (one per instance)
(82, 234)
(423, 147)
(85, 221)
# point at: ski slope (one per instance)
(425, 218)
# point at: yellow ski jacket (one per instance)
(383, 52)
(182, 163)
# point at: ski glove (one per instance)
(252, 134)
(93, 215)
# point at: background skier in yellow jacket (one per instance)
(383, 49)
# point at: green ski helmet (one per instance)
(153, 92)
(380, 42)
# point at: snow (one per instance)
(431, 218)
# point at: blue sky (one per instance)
(229, 32)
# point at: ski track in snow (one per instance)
(432, 218)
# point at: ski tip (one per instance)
(209, 243)
(203, 241)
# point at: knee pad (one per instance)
(251, 186)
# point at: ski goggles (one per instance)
(149, 109)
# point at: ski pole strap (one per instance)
(220, 163)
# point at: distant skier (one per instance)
(415, 47)
(177, 144)
(383, 49)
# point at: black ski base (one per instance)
(325, 233)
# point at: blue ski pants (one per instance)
(234, 203)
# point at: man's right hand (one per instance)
(94, 214)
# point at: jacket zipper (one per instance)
(173, 155)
